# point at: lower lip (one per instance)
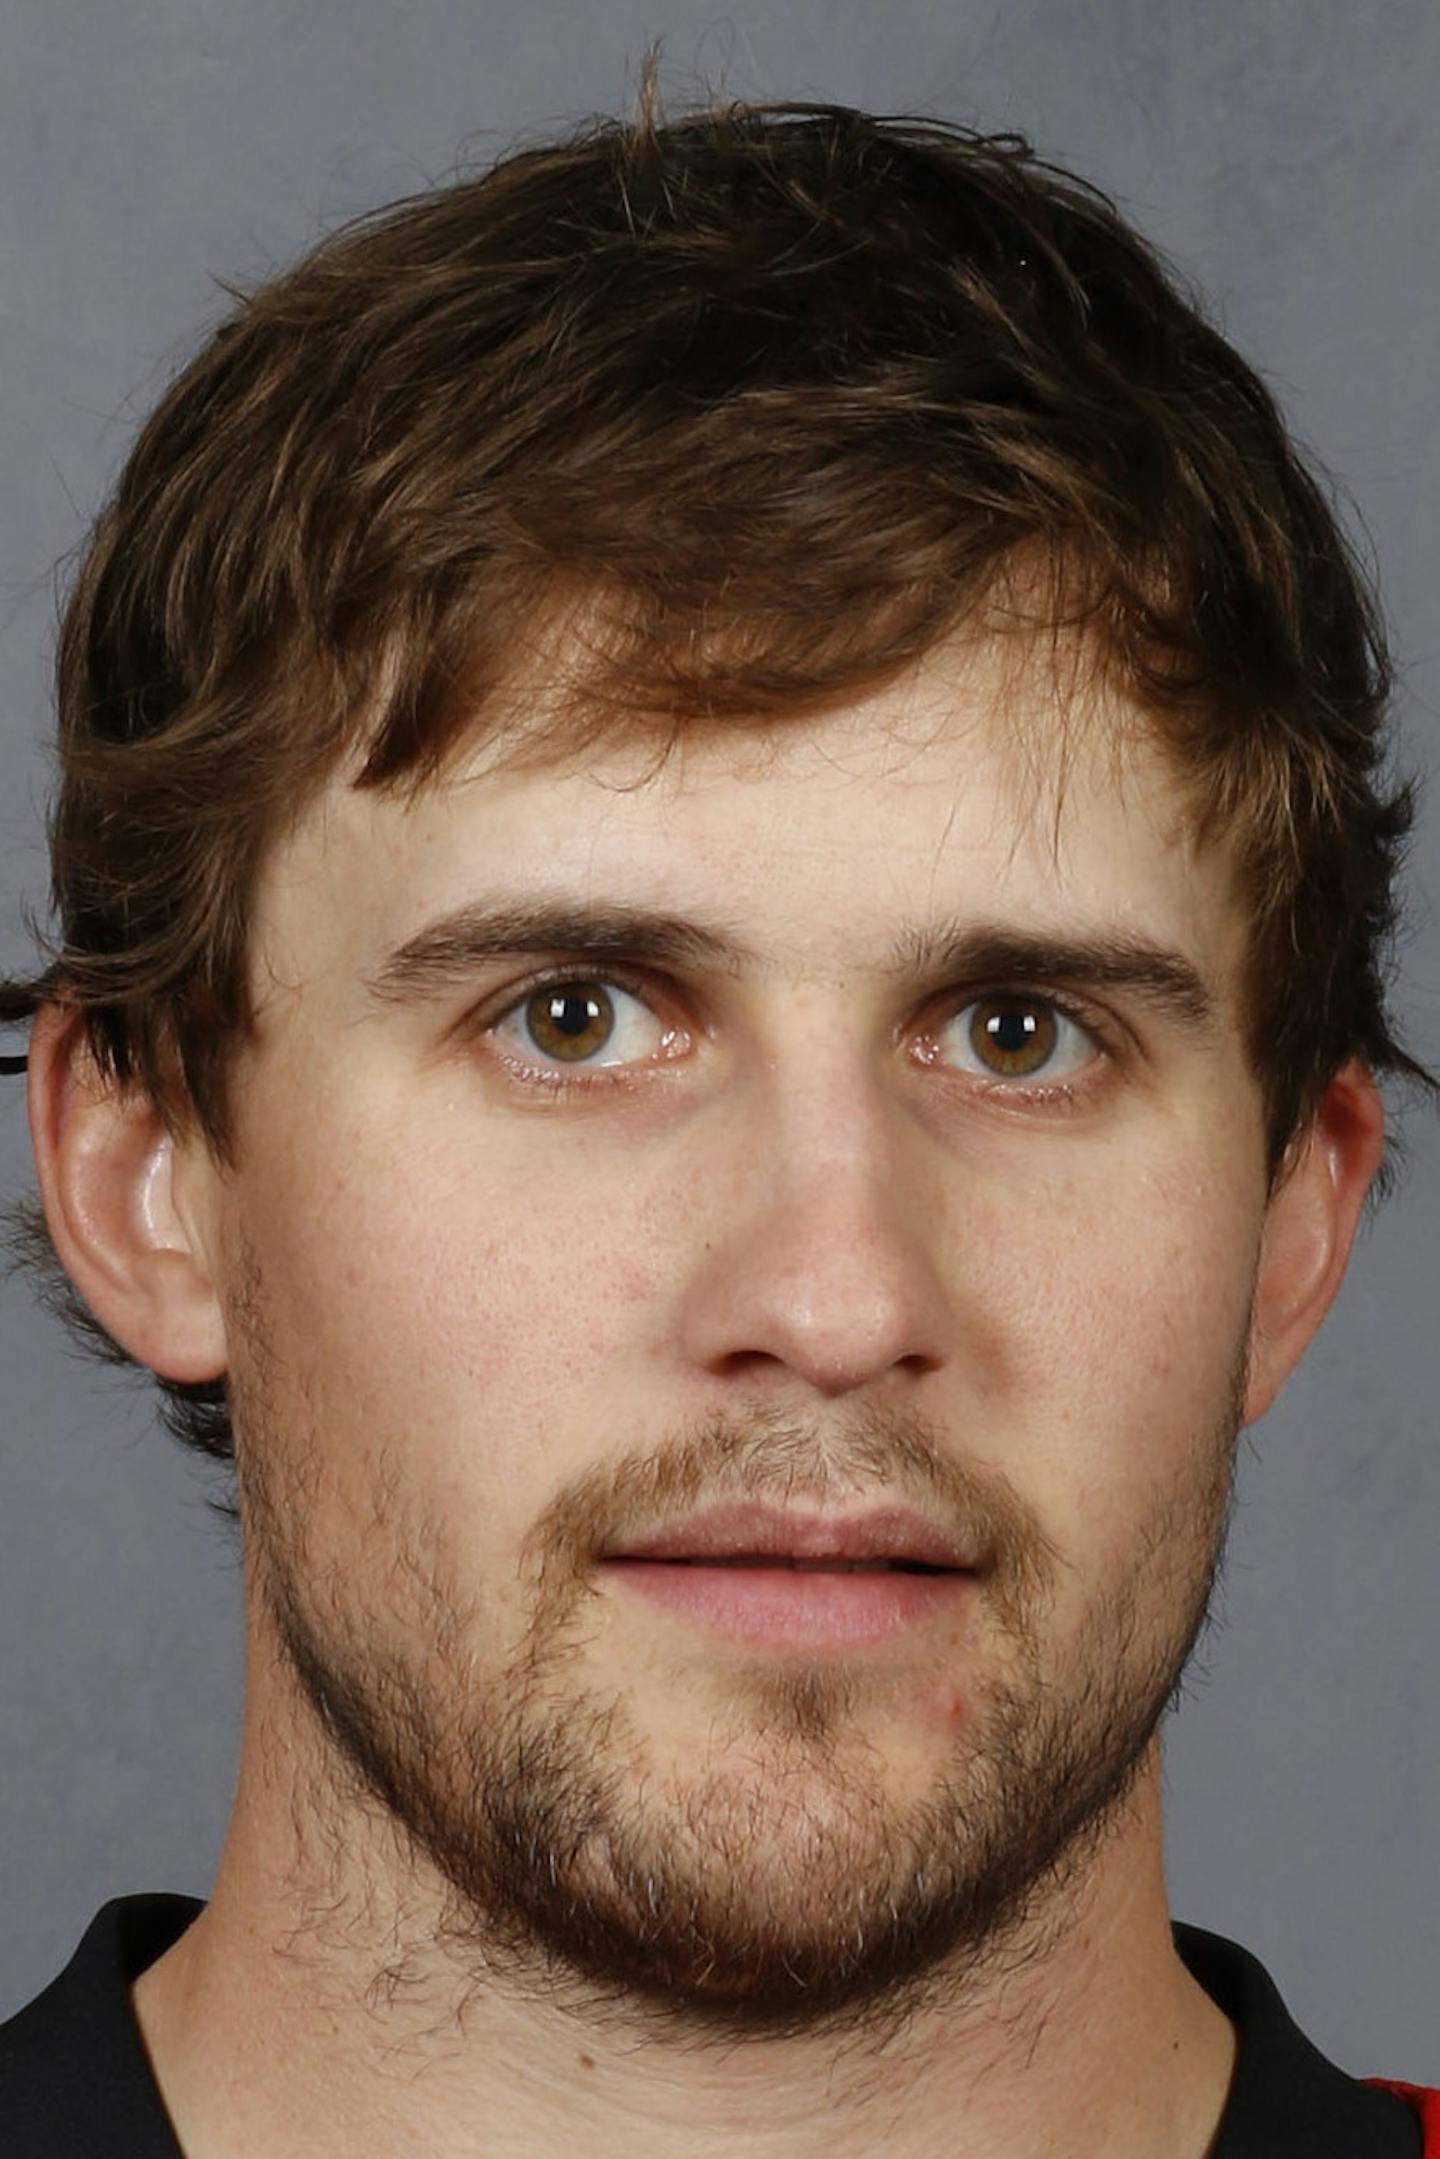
(791, 1608)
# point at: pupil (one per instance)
(571, 1015)
(1012, 1032)
(571, 1023)
(1014, 1037)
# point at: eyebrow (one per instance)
(447, 953)
(1114, 959)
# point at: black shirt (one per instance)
(75, 2082)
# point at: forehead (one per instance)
(990, 780)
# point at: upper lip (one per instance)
(755, 1531)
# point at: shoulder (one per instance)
(73, 2071)
(1286, 2097)
(1423, 2101)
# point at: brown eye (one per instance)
(1012, 1037)
(570, 1020)
(584, 1021)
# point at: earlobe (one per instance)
(1310, 1226)
(109, 1176)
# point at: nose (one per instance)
(820, 1261)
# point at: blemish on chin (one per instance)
(950, 1705)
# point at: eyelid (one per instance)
(1096, 1044)
(1100, 1028)
(1030, 1002)
(641, 983)
(609, 974)
(1103, 1027)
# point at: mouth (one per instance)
(800, 1566)
(781, 1579)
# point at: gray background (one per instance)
(1287, 152)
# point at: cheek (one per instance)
(1115, 1304)
(440, 1291)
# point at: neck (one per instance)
(320, 2005)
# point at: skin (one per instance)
(795, 1241)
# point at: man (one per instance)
(723, 895)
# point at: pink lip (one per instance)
(780, 1608)
(771, 1604)
(751, 1530)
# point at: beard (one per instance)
(789, 1880)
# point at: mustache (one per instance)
(867, 1455)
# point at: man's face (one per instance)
(918, 1228)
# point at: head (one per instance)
(822, 574)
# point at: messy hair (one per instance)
(783, 393)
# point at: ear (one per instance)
(125, 1206)
(1310, 1225)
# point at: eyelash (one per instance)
(1052, 1095)
(552, 1079)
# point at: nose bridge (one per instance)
(824, 1260)
(831, 1134)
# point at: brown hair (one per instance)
(781, 391)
